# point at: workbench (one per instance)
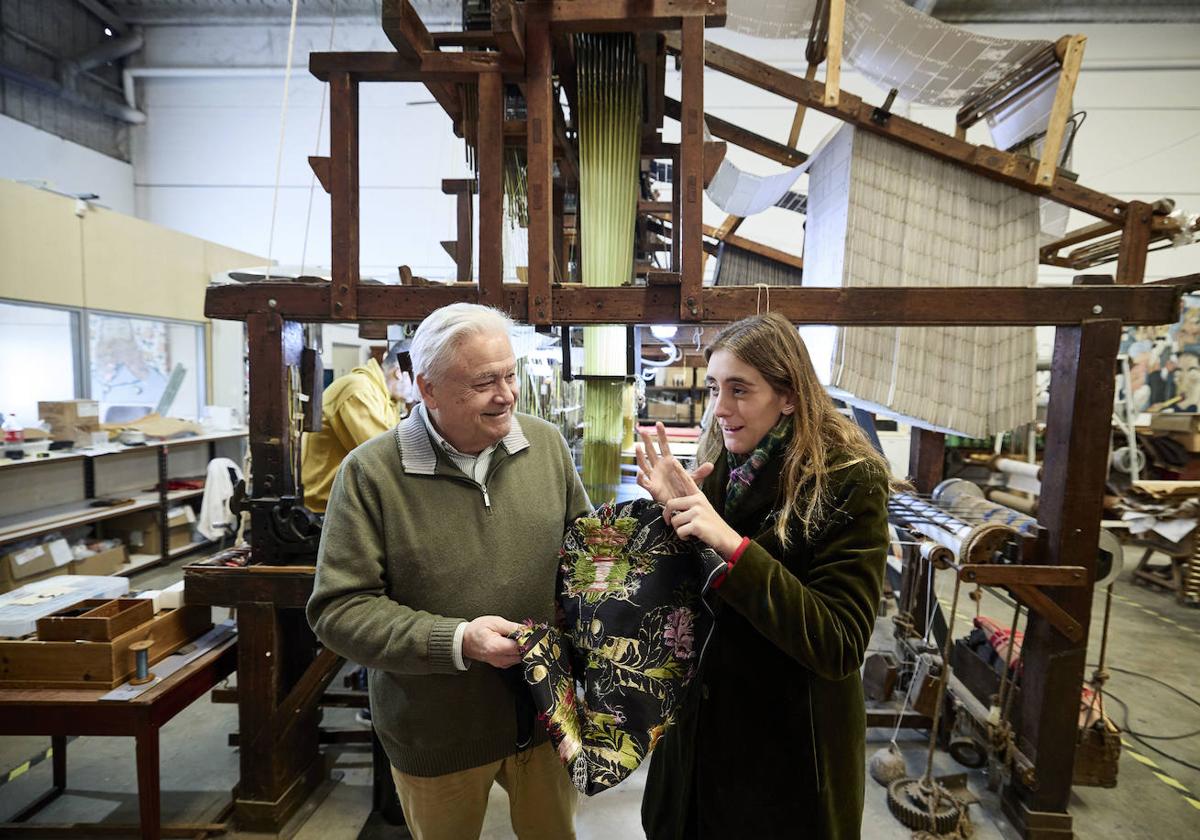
(63, 712)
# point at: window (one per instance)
(39, 358)
(141, 365)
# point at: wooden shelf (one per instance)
(118, 449)
(63, 517)
(180, 495)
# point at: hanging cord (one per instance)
(287, 78)
(312, 183)
(1100, 675)
(927, 779)
(928, 622)
(758, 298)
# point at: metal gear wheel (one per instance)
(908, 800)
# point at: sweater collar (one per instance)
(417, 452)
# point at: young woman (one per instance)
(770, 738)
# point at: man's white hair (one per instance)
(434, 342)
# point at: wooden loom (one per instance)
(282, 679)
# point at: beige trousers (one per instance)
(541, 798)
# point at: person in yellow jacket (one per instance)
(355, 408)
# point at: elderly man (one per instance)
(437, 539)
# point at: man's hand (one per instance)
(486, 640)
(660, 473)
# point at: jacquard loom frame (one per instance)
(280, 659)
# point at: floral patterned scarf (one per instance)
(744, 469)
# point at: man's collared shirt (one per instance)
(474, 467)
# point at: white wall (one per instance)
(205, 161)
(42, 159)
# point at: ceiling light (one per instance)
(663, 332)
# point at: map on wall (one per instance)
(130, 365)
(1164, 363)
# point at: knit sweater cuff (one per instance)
(441, 645)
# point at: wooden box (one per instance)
(103, 665)
(1097, 756)
(95, 620)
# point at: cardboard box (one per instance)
(70, 419)
(140, 531)
(1183, 428)
(658, 410)
(683, 413)
(104, 563)
(25, 565)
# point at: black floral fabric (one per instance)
(608, 681)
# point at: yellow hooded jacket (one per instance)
(355, 408)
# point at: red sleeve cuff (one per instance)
(730, 563)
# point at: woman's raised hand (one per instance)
(660, 473)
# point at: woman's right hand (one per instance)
(660, 473)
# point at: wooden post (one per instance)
(1077, 440)
(270, 439)
(490, 149)
(833, 53)
(343, 196)
(926, 456)
(801, 109)
(559, 235)
(691, 156)
(1071, 57)
(540, 168)
(1135, 240)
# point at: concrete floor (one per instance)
(1156, 798)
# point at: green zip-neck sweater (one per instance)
(410, 549)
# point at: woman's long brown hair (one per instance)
(823, 440)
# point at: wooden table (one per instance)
(62, 712)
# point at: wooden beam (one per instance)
(320, 168)
(691, 169)
(540, 170)
(801, 110)
(1150, 304)
(739, 136)
(1077, 439)
(473, 38)
(429, 67)
(343, 194)
(1017, 171)
(833, 53)
(404, 28)
(490, 150)
(1135, 239)
(1060, 111)
(624, 15)
(509, 30)
(926, 459)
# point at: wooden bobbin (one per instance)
(141, 654)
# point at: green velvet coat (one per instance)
(770, 741)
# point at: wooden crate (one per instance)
(95, 620)
(105, 664)
(1097, 756)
